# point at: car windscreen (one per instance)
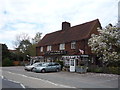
(39, 64)
(45, 64)
(35, 64)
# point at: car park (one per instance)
(48, 67)
(31, 67)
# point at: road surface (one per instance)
(59, 79)
(10, 84)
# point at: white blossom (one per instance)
(107, 43)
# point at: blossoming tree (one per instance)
(106, 45)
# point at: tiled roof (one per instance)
(74, 33)
(12, 50)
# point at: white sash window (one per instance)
(73, 45)
(41, 49)
(49, 48)
(62, 47)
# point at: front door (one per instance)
(72, 65)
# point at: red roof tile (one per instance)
(12, 50)
(74, 33)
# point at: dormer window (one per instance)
(49, 48)
(73, 45)
(41, 49)
(62, 46)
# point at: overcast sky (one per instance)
(45, 16)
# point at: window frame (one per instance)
(62, 46)
(41, 49)
(73, 45)
(49, 48)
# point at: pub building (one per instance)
(68, 44)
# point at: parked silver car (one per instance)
(48, 67)
(30, 67)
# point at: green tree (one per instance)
(106, 45)
(24, 45)
(6, 60)
(35, 40)
(24, 48)
(32, 50)
(21, 44)
(5, 52)
(19, 38)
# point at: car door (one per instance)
(53, 67)
(49, 67)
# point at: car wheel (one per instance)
(26, 70)
(57, 70)
(32, 69)
(43, 71)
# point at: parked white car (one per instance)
(31, 67)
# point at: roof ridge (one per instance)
(77, 32)
(97, 20)
(54, 32)
(87, 22)
(74, 26)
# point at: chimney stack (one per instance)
(65, 25)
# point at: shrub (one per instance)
(7, 62)
(114, 70)
(109, 70)
(98, 70)
(92, 68)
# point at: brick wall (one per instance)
(82, 44)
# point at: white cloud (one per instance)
(31, 16)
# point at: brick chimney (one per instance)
(65, 25)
